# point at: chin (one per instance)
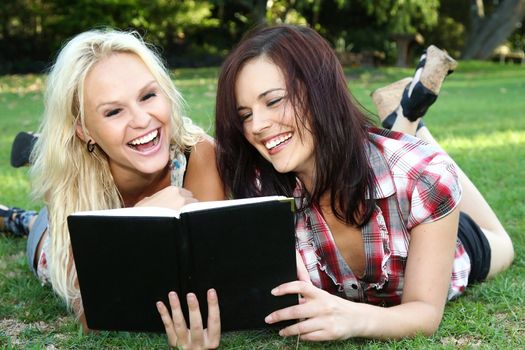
(154, 167)
(283, 169)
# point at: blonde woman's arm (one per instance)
(79, 313)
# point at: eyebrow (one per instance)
(261, 96)
(142, 89)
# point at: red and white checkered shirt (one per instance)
(415, 183)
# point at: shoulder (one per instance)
(203, 151)
(406, 155)
(391, 142)
(424, 177)
(202, 177)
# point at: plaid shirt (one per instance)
(415, 183)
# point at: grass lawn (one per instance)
(479, 119)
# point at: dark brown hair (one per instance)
(316, 84)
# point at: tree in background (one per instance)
(178, 27)
(486, 32)
(201, 32)
(450, 31)
(468, 26)
(32, 30)
(405, 20)
(373, 28)
(21, 21)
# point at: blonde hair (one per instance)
(64, 174)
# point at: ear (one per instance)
(79, 130)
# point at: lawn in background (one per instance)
(479, 119)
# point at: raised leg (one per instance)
(389, 103)
(408, 99)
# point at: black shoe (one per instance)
(416, 105)
(389, 121)
(15, 221)
(21, 149)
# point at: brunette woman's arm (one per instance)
(427, 279)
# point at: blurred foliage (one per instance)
(200, 32)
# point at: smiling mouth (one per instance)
(145, 142)
(271, 144)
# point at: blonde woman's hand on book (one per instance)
(195, 337)
(170, 197)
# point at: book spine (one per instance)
(184, 259)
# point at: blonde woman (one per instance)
(112, 135)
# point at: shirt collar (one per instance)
(383, 182)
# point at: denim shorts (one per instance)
(35, 235)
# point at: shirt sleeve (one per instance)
(436, 191)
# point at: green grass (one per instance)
(479, 119)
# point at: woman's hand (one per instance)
(195, 337)
(302, 272)
(170, 197)
(320, 315)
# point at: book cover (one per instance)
(128, 259)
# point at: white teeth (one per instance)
(145, 139)
(277, 141)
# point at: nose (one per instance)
(140, 118)
(260, 121)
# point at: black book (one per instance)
(128, 259)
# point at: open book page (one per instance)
(228, 203)
(166, 212)
(132, 211)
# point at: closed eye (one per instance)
(274, 101)
(112, 112)
(148, 96)
(245, 116)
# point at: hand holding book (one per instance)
(179, 335)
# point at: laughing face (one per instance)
(269, 119)
(127, 115)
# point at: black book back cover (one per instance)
(242, 252)
(126, 264)
(124, 267)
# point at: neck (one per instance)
(324, 201)
(307, 181)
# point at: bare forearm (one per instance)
(80, 315)
(404, 320)
(324, 316)
(83, 323)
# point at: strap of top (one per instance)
(178, 165)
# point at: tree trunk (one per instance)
(402, 44)
(476, 16)
(486, 33)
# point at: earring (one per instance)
(90, 146)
